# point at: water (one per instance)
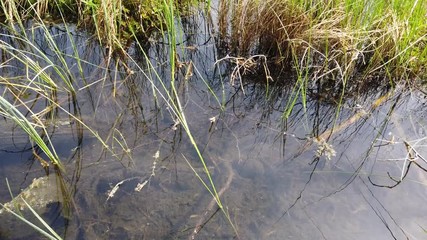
(276, 184)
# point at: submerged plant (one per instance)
(9, 111)
(171, 95)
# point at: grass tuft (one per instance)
(335, 46)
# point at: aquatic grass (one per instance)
(7, 110)
(112, 22)
(169, 93)
(169, 15)
(106, 17)
(12, 17)
(221, 102)
(35, 78)
(47, 86)
(338, 45)
(42, 74)
(51, 234)
(177, 112)
(110, 19)
(37, 62)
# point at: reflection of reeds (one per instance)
(45, 79)
(169, 92)
(39, 78)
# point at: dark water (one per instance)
(281, 187)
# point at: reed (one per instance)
(337, 45)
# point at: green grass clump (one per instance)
(337, 44)
(114, 22)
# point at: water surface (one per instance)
(278, 183)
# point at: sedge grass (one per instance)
(8, 110)
(346, 42)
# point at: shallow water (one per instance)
(279, 189)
